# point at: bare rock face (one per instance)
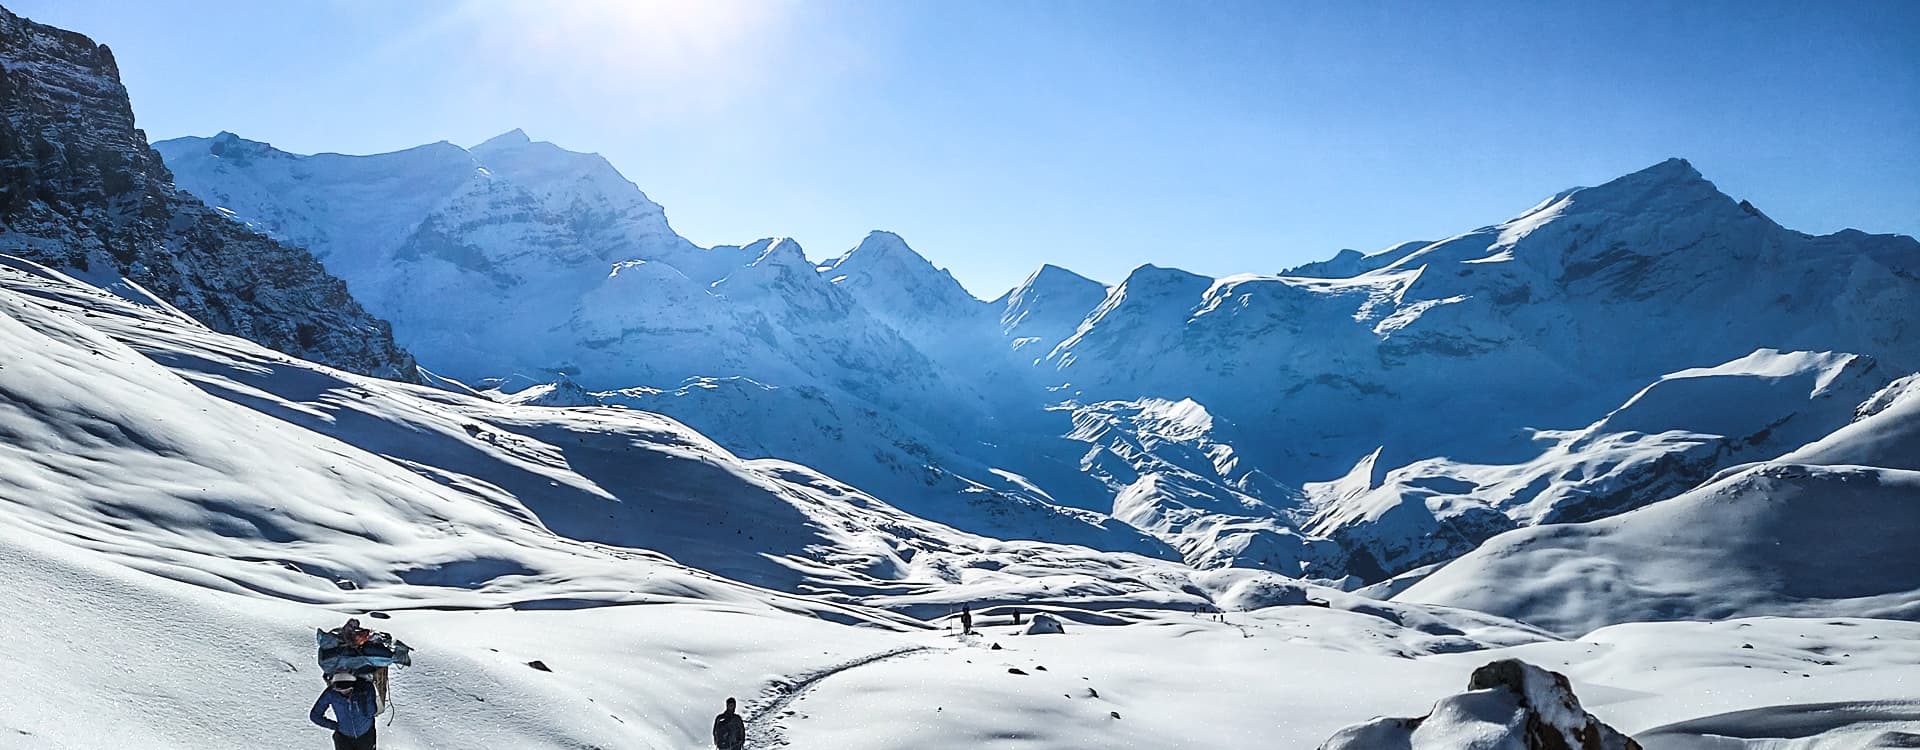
(81, 191)
(1509, 705)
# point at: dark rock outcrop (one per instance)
(81, 191)
(1509, 704)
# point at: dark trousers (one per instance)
(362, 742)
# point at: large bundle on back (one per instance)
(365, 653)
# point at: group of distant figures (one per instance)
(966, 618)
(355, 661)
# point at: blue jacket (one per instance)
(352, 714)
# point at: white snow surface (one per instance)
(1824, 530)
(179, 508)
(1366, 416)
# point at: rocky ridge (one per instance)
(81, 190)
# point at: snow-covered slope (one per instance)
(523, 260)
(1543, 321)
(1404, 405)
(514, 232)
(1349, 263)
(1671, 436)
(84, 192)
(180, 507)
(519, 257)
(168, 490)
(1825, 530)
(905, 291)
(1047, 308)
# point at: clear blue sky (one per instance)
(1216, 137)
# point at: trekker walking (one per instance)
(354, 706)
(352, 648)
(729, 730)
(966, 619)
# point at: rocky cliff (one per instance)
(80, 190)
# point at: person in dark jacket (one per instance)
(354, 706)
(729, 731)
(966, 619)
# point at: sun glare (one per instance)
(687, 50)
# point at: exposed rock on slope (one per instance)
(1509, 705)
(80, 189)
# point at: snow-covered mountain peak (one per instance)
(1148, 275)
(228, 145)
(883, 255)
(1151, 282)
(1349, 262)
(564, 180)
(1050, 276)
(1047, 307)
(780, 269)
(904, 289)
(783, 251)
(1050, 281)
(509, 139)
(1669, 188)
(882, 244)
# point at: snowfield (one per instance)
(182, 508)
(1365, 416)
(1822, 531)
(1635, 462)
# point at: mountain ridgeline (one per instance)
(1363, 416)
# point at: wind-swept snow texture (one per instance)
(166, 489)
(1826, 530)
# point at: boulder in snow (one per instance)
(1509, 705)
(1044, 623)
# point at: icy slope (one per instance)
(205, 458)
(84, 192)
(1671, 436)
(925, 304)
(1783, 537)
(519, 257)
(914, 468)
(169, 490)
(1421, 399)
(1047, 308)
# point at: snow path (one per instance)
(763, 729)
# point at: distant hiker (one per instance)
(729, 731)
(354, 705)
(1016, 617)
(966, 619)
